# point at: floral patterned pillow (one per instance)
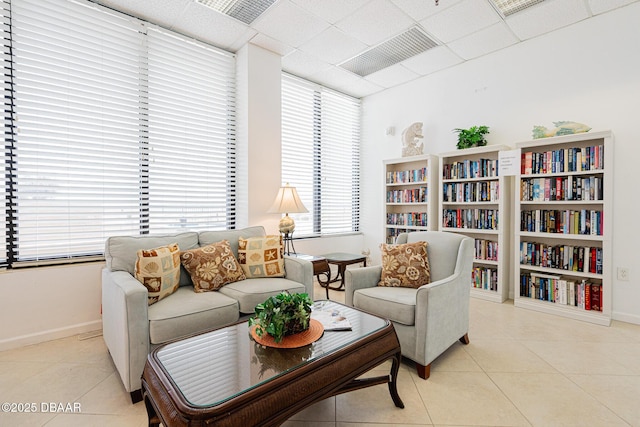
(211, 267)
(405, 265)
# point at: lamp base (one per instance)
(287, 239)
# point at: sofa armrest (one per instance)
(360, 278)
(125, 324)
(301, 271)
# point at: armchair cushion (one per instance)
(252, 292)
(405, 265)
(212, 266)
(261, 256)
(396, 304)
(158, 270)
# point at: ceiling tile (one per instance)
(204, 23)
(546, 16)
(302, 64)
(161, 12)
(461, 20)
(375, 22)
(490, 39)
(362, 88)
(333, 46)
(433, 60)
(247, 36)
(289, 23)
(337, 78)
(601, 6)
(331, 10)
(392, 76)
(420, 9)
(272, 44)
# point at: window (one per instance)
(112, 126)
(321, 156)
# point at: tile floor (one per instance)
(522, 368)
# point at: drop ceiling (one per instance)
(318, 38)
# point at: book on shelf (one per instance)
(572, 159)
(556, 289)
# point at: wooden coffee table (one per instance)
(225, 378)
(342, 260)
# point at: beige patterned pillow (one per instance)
(158, 270)
(261, 256)
(211, 267)
(405, 265)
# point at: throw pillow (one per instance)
(158, 270)
(261, 256)
(405, 265)
(212, 266)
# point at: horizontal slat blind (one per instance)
(76, 107)
(320, 156)
(191, 139)
(7, 124)
(119, 128)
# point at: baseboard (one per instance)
(51, 334)
(625, 317)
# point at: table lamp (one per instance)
(287, 201)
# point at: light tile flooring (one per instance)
(522, 368)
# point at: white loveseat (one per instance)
(132, 328)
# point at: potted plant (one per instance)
(281, 315)
(472, 137)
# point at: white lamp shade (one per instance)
(287, 201)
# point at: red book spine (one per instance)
(587, 296)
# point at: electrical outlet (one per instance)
(623, 274)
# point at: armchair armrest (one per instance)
(301, 271)
(360, 278)
(125, 324)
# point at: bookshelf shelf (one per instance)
(410, 195)
(562, 227)
(476, 199)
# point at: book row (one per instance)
(574, 159)
(392, 233)
(476, 191)
(566, 221)
(483, 168)
(485, 250)
(409, 218)
(582, 259)
(413, 195)
(569, 188)
(582, 294)
(408, 176)
(484, 278)
(483, 219)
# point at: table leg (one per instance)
(393, 383)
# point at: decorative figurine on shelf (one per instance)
(410, 139)
(561, 128)
(472, 137)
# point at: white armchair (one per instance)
(430, 319)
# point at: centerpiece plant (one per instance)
(282, 314)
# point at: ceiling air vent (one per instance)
(390, 52)
(243, 10)
(509, 7)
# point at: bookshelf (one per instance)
(475, 201)
(563, 198)
(410, 198)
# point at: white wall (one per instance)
(589, 73)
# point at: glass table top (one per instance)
(216, 366)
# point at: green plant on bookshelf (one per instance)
(472, 137)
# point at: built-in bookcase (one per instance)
(475, 200)
(410, 195)
(563, 230)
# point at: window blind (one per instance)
(119, 128)
(321, 156)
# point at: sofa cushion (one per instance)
(405, 265)
(394, 303)
(158, 269)
(209, 237)
(120, 251)
(212, 266)
(252, 292)
(186, 312)
(261, 256)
